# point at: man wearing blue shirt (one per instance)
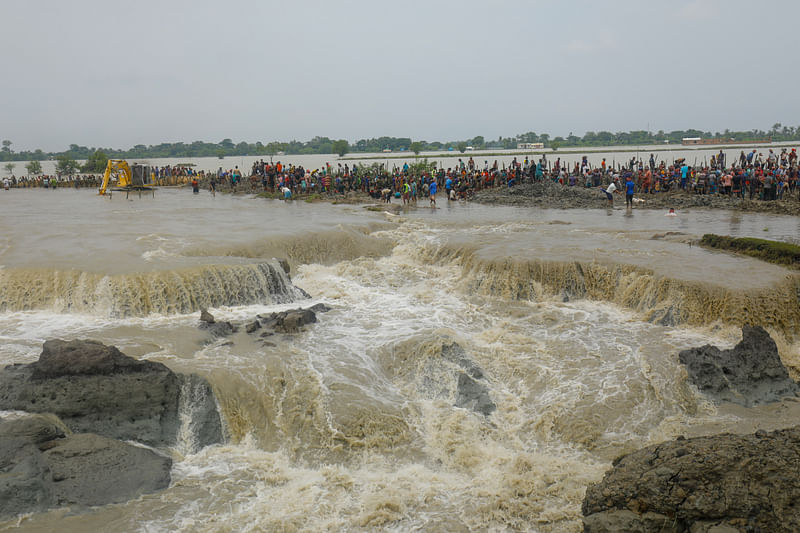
(629, 192)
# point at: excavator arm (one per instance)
(116, 169)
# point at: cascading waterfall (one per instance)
(140, 294)
(659, 299)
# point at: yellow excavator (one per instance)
(127, 178)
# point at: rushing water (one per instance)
(574, 317)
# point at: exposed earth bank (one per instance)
(547, 194)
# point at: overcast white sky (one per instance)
(114, 74)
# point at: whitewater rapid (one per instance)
(351, 425)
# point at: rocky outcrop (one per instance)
(473, 394)
(88, 469)
(200, 424)
(43, 465)
(722, 483)
(217, 329)
(472, 391)
(750, 373)
(25, 486)
(291, 321)
(449, 373)
(95, 388)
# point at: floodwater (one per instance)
(575, 318)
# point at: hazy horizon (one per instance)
(98, 74)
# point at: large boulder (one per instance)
(95, 388)
(722, 483)
(42, 465)
(750, 373)
(88, 469)
(25, 483)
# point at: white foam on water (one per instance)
(351, 424)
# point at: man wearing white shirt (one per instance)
(612, 188)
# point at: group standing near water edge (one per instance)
(752, 175)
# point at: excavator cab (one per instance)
(127, 179)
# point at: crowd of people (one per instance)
(46, 181)
(752, 175)
(165, 175)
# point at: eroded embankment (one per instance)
(659, 299)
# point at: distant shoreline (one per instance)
(572, 150)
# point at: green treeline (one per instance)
(325, 145)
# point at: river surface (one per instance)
(575, 318)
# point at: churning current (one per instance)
(571, 321)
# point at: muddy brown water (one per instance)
(575, 317)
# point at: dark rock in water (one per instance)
(86, 358)
(206, 317)
(719, 483)
(204, 426)
(253, 326)
(320, 308)
(455, 369)
(93, 470)
(95, 388)
(750, 373)
(219, 329)
(284, 265)
(470, 393)
(293, 320)
(290, 321)
(455, 353)
(43, 466)
(39, 429)
(25, 482)
(473, 395)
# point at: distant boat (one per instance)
(281, 153)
